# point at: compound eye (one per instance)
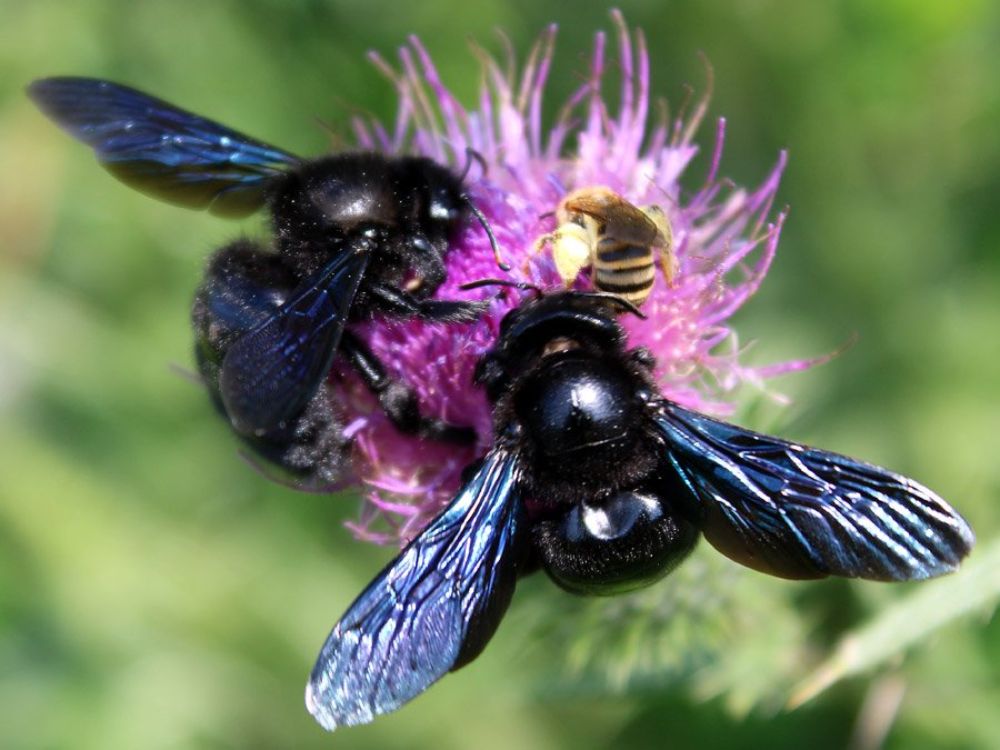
(443, 206)
(622, 543)
(440, 211)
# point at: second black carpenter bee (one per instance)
(600, 481)
(354, 233)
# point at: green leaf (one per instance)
(976, 587)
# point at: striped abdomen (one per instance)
(623, 269)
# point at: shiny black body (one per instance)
(603, 514)
(395, 216)
(354, 234)
(597, 479)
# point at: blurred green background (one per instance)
(157, 593)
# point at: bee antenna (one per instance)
(489, 231)
(662, 191)
(472, 155)
(335, 136)
(618, 301)
(523, 285)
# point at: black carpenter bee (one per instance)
(599, 228)
(354, 233)
(604, 484)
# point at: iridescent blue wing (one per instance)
(431, 610)
(798, 512)
(271, 373)
(161, 150)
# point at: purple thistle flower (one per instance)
(725, 240)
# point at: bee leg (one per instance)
(398, 400)
(399, 303)
(311, 449)
(539, 244)
(537, 247)
(665, 242)
(669, 265)
(572, 246)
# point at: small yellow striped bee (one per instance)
(600, 229)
